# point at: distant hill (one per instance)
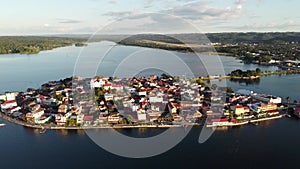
(195, 38)
(250, 37)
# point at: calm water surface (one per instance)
(271, 144)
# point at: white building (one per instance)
(60, 119)
(13, 109)
(96, 83)
(141, 114)
(35, 115)
(134, 107)
(155, 99)
(142, 93)
(10, 96)
(8, 104)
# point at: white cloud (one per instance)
(112, 1)
(121, 14)
(202, 11)
(239, 2)
(69, 21)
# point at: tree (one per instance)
(288, 99)
(229, 90)
(58, 97)
(258, 71)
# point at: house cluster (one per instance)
(290, 65)
(147, 100)
(52, 103)
(154, 100)
(245, 105)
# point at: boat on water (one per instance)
(2, 124)
(42, 131)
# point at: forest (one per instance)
(33, 44)
(261, 47)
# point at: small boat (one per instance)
(2, 124)
(42, 131)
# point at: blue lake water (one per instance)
(271, 144)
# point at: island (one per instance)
(139, 102)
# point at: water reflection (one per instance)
(62, 132)
(246, 81)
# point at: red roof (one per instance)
(12, 108)
(219, 120)
(88, 118)
(9, 102)
(239, 106)
(107, 84)
(117, 85)
(233, 120)
(272, 111)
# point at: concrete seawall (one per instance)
(246, 122)
(52, 127)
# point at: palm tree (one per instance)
(288, 99)
(288, 102)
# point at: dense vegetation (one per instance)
(261, 47)
(247, 73)
(33, 44)
(80, 44)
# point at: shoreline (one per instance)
(247, 122)
(51, 127)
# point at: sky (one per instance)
(36, 17)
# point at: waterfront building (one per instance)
(141, 114)
(113, 119)
(240, 110)
(85, 119)
(8, 104)
(60, 119)
(13, 109)
(33, 116)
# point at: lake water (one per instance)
(271, 144)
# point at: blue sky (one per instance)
(19, 17)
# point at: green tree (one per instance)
(229, 90)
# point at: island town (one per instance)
(157, 101)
